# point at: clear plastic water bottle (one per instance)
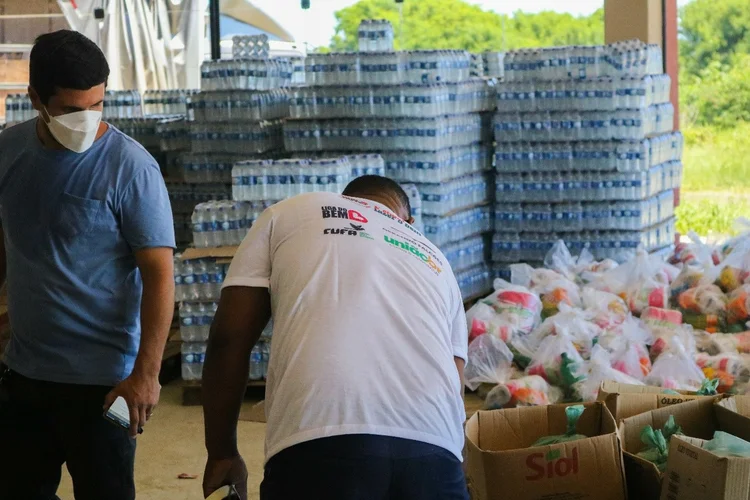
(187, 327)
(189, 280)
(256, 363)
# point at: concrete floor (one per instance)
(173, 443)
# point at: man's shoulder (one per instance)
(130, 154)
(15, 137)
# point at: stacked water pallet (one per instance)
(421, 111)
(585, 152)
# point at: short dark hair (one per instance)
(65, 59)
(376, 184)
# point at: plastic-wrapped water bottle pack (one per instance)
(236, 137)
(224, 223)
(596, 94)
(18, 108)
(474, 281)
(622, 124)
(255, 180)
(456, 194)
(198, 279)
(122, 104)
(465, 254)
(511, 247)
(185, 196)
(246, 74)
(415, 200)
(415, 100)
(250, 47)
(239, 105)
(558, 187)
(167, 102)
(174, 133)
(443, 230)
(493, 64)
(375, 35)
(211, 169)
(630, 58)
(586, 216)
(391, 68)
(145, 131)
(437, 166)
(588, 156)
(377, 134)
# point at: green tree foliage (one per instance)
(455, 24)
(713, 31)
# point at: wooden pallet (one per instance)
(191, 391)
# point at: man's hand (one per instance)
(223, 472)
(141, 393)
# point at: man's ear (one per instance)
(36, 101)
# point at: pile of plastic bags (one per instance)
(554, 334)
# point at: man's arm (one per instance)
(460, 364)
(242, 315)
(141, 389)
(3, 263)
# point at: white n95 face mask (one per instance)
(75, 131)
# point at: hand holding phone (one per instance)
(119, 414)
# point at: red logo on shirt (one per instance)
(342, 213)
(356, 216)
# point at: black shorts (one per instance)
(364, 467)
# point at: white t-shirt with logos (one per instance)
(367, 318)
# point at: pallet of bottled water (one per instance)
(247, 74)
(198, 279)
(558, 187)
(224, 223)
(589, 156)
(184, 196)
(474, 281)
(586, 216)
(404, 100)
(628, 58)
(415, 202)
(255, 180)
(194, 356)
(375, 35)
(173, 132)
(553, 126)
(379, 134)
(492, 64)
(239, 105)
(237, 138)
(453, 195)
(196, 319)
(143, 130)
(250, 47)
(467, 253)
(167, 102)
(509, 247)
(386, 67)
(458, 226)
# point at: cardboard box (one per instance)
(501, 465)
(221, 253)
(624, 400)
(737, 404)
(694, 473)
(699, 419)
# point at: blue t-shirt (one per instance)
(72, 223)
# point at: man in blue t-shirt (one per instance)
(86, 249)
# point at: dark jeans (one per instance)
(364, 467)
(45, 424)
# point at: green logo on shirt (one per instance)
(427, 259)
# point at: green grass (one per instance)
(716, 180)
(717, 159)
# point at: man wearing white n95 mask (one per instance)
(363, 399)
(86, 242)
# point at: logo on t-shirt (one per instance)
(352, 230)
(427, 259)
(342, 213)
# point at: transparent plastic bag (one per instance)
(595, 371)
(556, 360)
(642, 282)
(730, 369)
(734, 270)
(606, 309)
(676, 369)
(531, 390)
(664, 340)
(727, 445)
(490, 362)
(577, 322)
(704, 299)
(573, 414)
(657, 443)
(628, 348)
(553, 288)
(738, 307)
